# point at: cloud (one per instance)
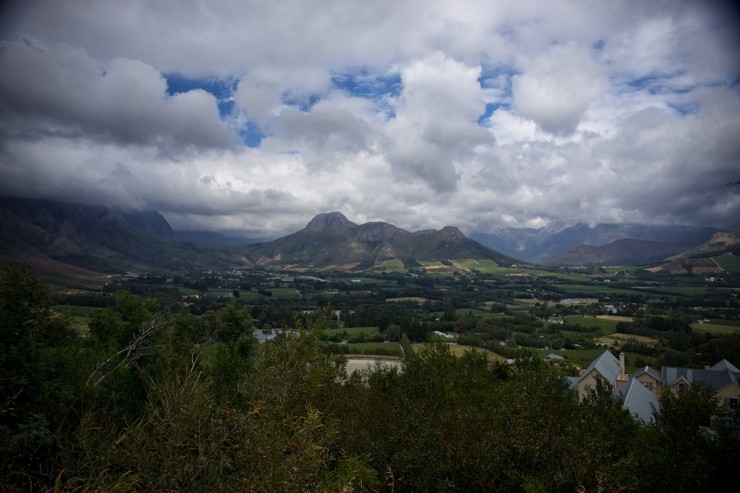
(435, 126)
(63, 90)
(556, 87)
(476, 113)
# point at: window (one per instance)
(649, 385)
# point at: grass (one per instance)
(393, 265)
(484, 266)
(683, 290)
(601, 323)
(728, 262)
(284, 293)
(75, 310)
(382, 348)
(460, 349)
(617, 339)
(586, 288)
(417, 299)
(715, 329)
(351, 331)
(558, 275)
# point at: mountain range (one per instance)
(79, 240)
(544, 245)
(331, 241)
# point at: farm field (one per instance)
(714, 328)
(350, 331)
(460, 349)
(605, 325)
(75, 310)
(591, 288)
(379, 348)
(484, 266)
(617, 339)
(417, 299)
(728, 262)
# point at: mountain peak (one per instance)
(331, 222)
(452, 232)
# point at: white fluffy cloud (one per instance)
(434, 130)
(476, 113)
(556, 87)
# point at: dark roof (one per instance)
(716, 379)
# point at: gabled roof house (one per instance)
(606, 366)
(722, 378)
(636, 397)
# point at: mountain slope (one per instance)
(61, 236)
(718, 254)
(535, 244)
(331, 241)
(620, 252)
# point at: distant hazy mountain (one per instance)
(536, 244)
(214, 238)
(620, 252)
(331, 241)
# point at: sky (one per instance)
(250, 117)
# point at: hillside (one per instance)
(332, 242)
(78, 240)
(721, 253)
(537, 244)
(620, 252)
(83, 240)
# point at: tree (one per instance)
(34, 369)
(235, 348)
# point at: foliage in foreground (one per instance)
(151, 402)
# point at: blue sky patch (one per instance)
(222, 89)
(251, 135)
(364, 84)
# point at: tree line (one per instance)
(156, 400)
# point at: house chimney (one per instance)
(622, 377)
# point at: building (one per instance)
(722, 378)
(641, 391)
(606, 366)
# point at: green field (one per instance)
(587, 288)
(683, 290)
(484, 266)
(728, 262)
(75, 310)
(606, 325)
(380, 348)
(284, 293)
(557, 275)
(460, 349)
(417, 299)
(715, 329)
(434, 266)
(393, 265)
(474, 312)
(351, 331)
